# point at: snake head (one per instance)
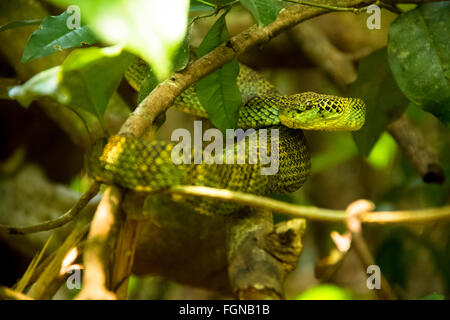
(313, 111)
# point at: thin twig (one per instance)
(313, 213)
(324, 6)
(212, 5)
(316, 45)
(354, 211)
(22, 284)
(388, 6)
(194, 19)
(60, 221)
(412, 141)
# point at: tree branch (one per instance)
(260, 255)
(355, 210)
(323, 6)
(99, 247)
(313, 213)
(124, 257)
(413, 143)
(60, 221)
(324, 54)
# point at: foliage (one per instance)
(218, 92)
(384, 100)
(137, 24)
(419, 70)
(86, 80)
(264, 11)
(384, 94)
(419, 56)
(53, 35)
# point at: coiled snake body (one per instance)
(148, 166)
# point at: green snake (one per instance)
(148, 167)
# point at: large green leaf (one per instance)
(53, 35)
(419, 56)
(92, 75)
(384, 100)
(152, 29)
(218, 92)
(264, 11)
(86, 80)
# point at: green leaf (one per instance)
(264, 11)
(182, 55)
(218, 92)
(383, 153)
(19, 24)
(216, 35)
(53, 35)
(384, 100)
(433, 296)
(92, 75)
(45, 83)
(419, 56)
(152, 29)
(86, 80)
(148, 84)
(325, 292)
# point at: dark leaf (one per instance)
(264, 11)
(53, 35)
(419, 56)
(384, 100)
(182, 55)
(86, 80)
(218, 92)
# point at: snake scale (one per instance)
(148, 167)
